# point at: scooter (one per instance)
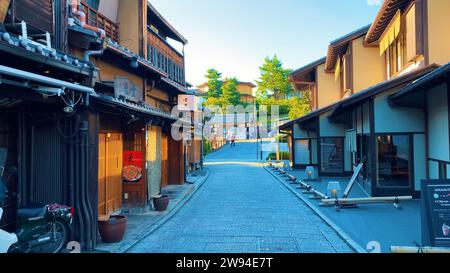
(42, 229)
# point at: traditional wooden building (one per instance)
(92, 125)
(368, 108)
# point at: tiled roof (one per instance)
(12, 40)
(339, 46)
(139, 107)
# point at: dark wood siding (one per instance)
(37, 13)
(8, 140)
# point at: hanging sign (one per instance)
(132, 166)
(436, 213)
(189, 103)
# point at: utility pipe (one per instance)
(88, 53)
(76, 11)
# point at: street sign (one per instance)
(436, 213)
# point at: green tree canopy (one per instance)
(230, 94)
(300, 106)
(214, 83)
(274, 79)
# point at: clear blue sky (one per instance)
(234, 36)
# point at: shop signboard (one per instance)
(436, 213)
(127, 90)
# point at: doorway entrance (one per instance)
(110, 164)
(394, 161)
(332, 155)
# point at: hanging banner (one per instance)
(132, 166)
(436, 213)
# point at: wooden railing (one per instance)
(95, 18)
(162, 55)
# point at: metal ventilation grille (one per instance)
(8, 103)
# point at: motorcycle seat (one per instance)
(31, 212)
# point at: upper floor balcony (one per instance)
(165, 57)
(97, 19)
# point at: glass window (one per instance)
(332, 155)
(302, 153)
(394, 159)
(396, 55)
(93, 3)
(442, 170)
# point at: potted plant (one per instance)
(112, 228)
(161, 202)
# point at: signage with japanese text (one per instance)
(126, 89)
(436, 213)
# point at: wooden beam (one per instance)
(303, 82)
(366, 200)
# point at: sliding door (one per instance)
(332, 155)
(394, 164)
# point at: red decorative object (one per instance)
(132, 166)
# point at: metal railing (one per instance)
(95, 18)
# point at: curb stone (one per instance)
(353, 245)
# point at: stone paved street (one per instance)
(241, 209)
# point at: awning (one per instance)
(383, 19)
(367, 94)
(337, 70)
(362, 96)
(338, 47)
(414, 93)
(307, 117)
(143, 108)
(39, 79)
(391, 33)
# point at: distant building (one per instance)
(244, 88)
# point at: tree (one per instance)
(214, 83)
(230, 94)
(300, 106)
(274, 79)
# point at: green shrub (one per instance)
(207, 147)
(283, 156)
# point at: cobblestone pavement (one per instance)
(242, 209)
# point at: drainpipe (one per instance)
(89, 53)
(76, 11)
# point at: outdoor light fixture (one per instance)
(334, 187)
(310, 172)
(333, 193)
(134, 63)
(68, 109)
